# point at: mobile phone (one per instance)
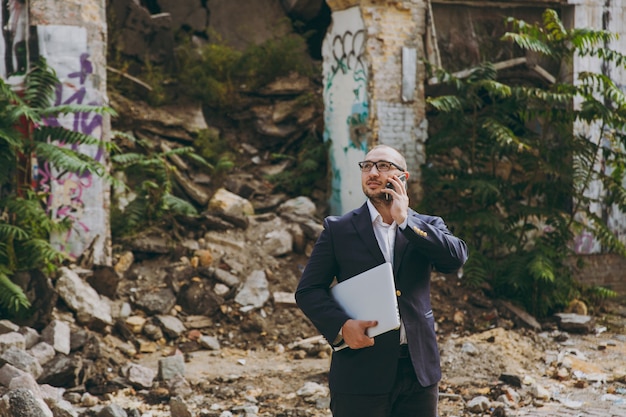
(402, 178)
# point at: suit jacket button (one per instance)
(398, 293)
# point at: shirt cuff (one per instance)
(338, 340)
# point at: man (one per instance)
(395, 374)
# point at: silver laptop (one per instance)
(370, 295)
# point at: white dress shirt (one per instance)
(386, 237)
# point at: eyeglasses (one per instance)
(382, 166)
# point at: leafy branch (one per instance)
(26, 134)
(512, 165)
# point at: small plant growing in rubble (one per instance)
(215, 150)
(150, 180)
(218, 74)
(307, 170)
(513, 166)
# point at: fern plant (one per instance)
(512, 166)
(308, 169)
(152, 186)
(25, 226)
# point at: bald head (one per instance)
(390, 154)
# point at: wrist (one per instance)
(337, 342)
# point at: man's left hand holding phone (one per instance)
(389, 185)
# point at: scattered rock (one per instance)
(575, 323)
(478, 404)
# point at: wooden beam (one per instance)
(130, 77)
(545, 74)
(509, 63)
(503, 4)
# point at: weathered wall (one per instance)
(605, 270)
(607, 16)
(78, 54)
(71, 35)
(373, 89)
(346, 105)
(395, 46)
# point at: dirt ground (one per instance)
(273, 375)
(269, 356)
(262, 358)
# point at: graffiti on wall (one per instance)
(68, 198)
(79, 197)
(348, 60)
(346, 106)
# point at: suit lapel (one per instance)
(363, 225)
(400, 247)
(398, 251)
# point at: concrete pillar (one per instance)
(607, 16)
(373, 89)
(72, 36)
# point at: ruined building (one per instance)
(373, 80)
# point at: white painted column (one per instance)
(598, 15)
(72, 37)
(346, 106)
(374, 90)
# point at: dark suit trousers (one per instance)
(407, 399)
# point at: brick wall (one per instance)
(604, 270)
(392, 26)
(369, 89)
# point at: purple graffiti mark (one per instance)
(67, 202)
(87, 126)
(45, 178)
(86, 68)
(584, 243)
(83, 122)
(66, 190)
(72, 186)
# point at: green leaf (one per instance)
(68, 160)
(12, 297)
(179, 206)
(541, 268)
(510, 165)
(11, 232)
(53, 111)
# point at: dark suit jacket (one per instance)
(346, 247)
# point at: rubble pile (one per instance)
(207, 327)
(106, 318)
(200, 321)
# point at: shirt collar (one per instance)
(374, 214)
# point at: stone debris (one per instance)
(87, 359)
(221, 286)
(575, 323)
(88, 353)
(255, 291)
(91, 308)
(565, 378)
